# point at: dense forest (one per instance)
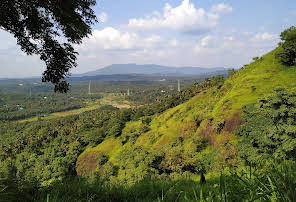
(25, 99)
(222, 139)
(19, 106)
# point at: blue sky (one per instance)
(204, 33)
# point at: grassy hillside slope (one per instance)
(211, 116)
(253, 81)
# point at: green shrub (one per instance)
(287, 53)
(269, 128)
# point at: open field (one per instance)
(63, 114)
(116, 101)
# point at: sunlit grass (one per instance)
(63, 114)
(272, 182)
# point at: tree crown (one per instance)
(40, 25)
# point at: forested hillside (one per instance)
(236, 135)
(197, 136)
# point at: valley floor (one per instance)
(115, 101)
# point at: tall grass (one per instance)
(13, 191)
(269, 183)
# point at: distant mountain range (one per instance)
(151, 69)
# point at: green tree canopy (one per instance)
(288, 52)
(40, 25)
(269, 129)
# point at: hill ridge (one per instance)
(152, 69)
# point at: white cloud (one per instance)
(110, 38)
(227, 48)
(173, 43)
(184, 18)
(233, 49)
(103, 17)
(221, 8)
(205, 41)
(265, 36)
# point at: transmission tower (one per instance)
(89, 92)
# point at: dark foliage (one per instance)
(37, 24)
(287, 53)
(269, 128)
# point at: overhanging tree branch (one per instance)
(37, 25)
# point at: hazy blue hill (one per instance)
(152, 69)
